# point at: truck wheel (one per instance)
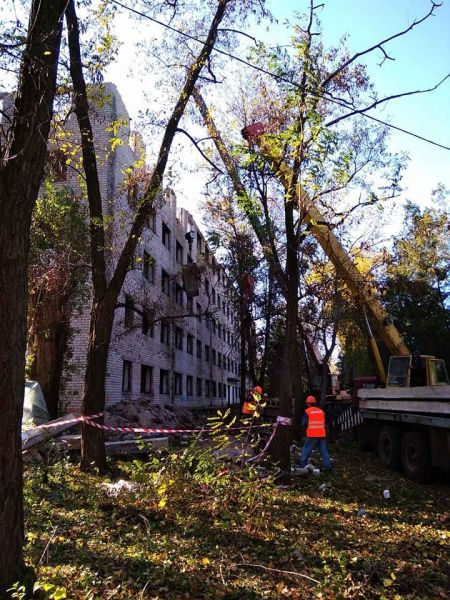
(389, 447)
(416, 457)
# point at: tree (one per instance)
(301, 159)
(416, 282)
(106, 292)
(23, 155)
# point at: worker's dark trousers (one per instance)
(309, 446)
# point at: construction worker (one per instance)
(253, 402)
(314, 421)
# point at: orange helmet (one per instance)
(257, 389)
(310, 400)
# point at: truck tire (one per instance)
(389, 447)
(416, 457)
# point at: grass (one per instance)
(191, 536)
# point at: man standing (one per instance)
(314, 421)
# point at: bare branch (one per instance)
(214, 166)
(379, 45)
(386, 99)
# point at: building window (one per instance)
(213, 389)
(207, 386)
(147, 327)
(199, 243)
(199, 387)
(179, 253)
(151, 221)
(190, 344)
(126, 376)
(206, 353)
(179, 294)
(219, 301)
(213, 356)
(199, 349)
(163, 381)
(165, 236)
(178, 384)
(148, 267)
(213, 296)
(129, 311)
(207, 287)
(146, 379)
(190, 306)
(165, 282)
(189, 385)
(178, 338)
(219, 389)
(219, 359)
(165, 333)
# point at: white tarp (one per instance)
(35, 410)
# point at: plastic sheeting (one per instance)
(35, 410)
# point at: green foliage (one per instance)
(417, 282)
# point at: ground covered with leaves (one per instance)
(196, 529)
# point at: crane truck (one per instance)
(408, 419)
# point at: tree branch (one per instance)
(200, 150)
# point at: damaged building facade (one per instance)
(166, 348)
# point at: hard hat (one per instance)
(310, 400)
(257, 389)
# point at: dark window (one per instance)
(165, 236)
(126, 376)
(213, 295)
(207, 287)
(219, 389)
(147, 326)
(165, 333)
(151, 221)
(163, 381)
(219, 301)
(165, 282)
(199, 243)
(146, 379)
(129, 312)
(213, 389)
(219, 359)
(179, 294)
(207, 386)
(179, 253)
(199, 349)
(199, 387)
(190, 306)
(178, 384)
(189, 344)
(213, 356)
(206, 353)
(148, 267)
(189, 385)
(178, 338)
(57, 165)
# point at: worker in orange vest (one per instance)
(316, 435)
(253, 402)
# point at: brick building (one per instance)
(166, 347)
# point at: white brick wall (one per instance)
(131, 344)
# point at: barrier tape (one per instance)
(67, 422)
(283, 421)
(165, 430)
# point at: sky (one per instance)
(422, 58)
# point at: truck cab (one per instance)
(416, 371)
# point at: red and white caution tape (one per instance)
(73, 421)
(283, 421)
(164, 430)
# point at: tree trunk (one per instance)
(92, 439)
(21, 172)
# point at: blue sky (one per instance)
(422, 58)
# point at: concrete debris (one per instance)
(120, 486)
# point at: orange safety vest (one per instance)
(316, 422)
